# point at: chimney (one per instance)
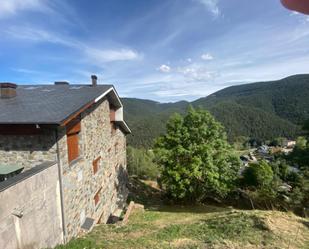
(94, 80)
(7, 90)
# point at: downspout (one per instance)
(61, 186)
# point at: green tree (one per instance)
(241, 143)
(195, 158)
(301, 142)
(259, 175)
(299, 157)
(140, 163)
(279, 141)
(306, 128)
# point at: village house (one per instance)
(62, 161)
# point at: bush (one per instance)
(258, 175)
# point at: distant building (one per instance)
(264, 150)
(290, 144)
(62, 161)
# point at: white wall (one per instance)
(38, 198)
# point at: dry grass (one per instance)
(171, 226)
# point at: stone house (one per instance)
(62, 161)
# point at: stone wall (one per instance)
(37, 198)
(28, 150)
(80, 184)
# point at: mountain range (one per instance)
(262, 111)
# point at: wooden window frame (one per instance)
(95, 165)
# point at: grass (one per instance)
(172, 226)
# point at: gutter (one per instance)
(61, 187)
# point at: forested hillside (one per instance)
(263, 111)
(147, 119)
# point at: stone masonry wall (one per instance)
(27, 150)
(80, 184)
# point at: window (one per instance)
(95, 165)
(97, 197)
(73, 129)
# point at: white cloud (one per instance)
(207, 57)
(212, 6)
(12, 7)
(25, 71)
(107, 55)
(38, 35)
(95, 55)
(189, 60)
(172, 93)
(197, 73)
(164, 68)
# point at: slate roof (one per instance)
(47, 104)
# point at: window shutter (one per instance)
(72, 130)
(73, 151)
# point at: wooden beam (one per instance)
(74, 115)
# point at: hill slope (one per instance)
(263, 110)
(196, 226)
(287, 98)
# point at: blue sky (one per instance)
(165, 50)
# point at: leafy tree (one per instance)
(306, 127)
(280, 169)
(301, 142)
(140, 163)
(258, 175)
(280, 141)
(300, 154)
(241, 143)
(195, 158)
(300, 193)
(299, 157)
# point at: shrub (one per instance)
(258, 175)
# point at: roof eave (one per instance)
(123, 125)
